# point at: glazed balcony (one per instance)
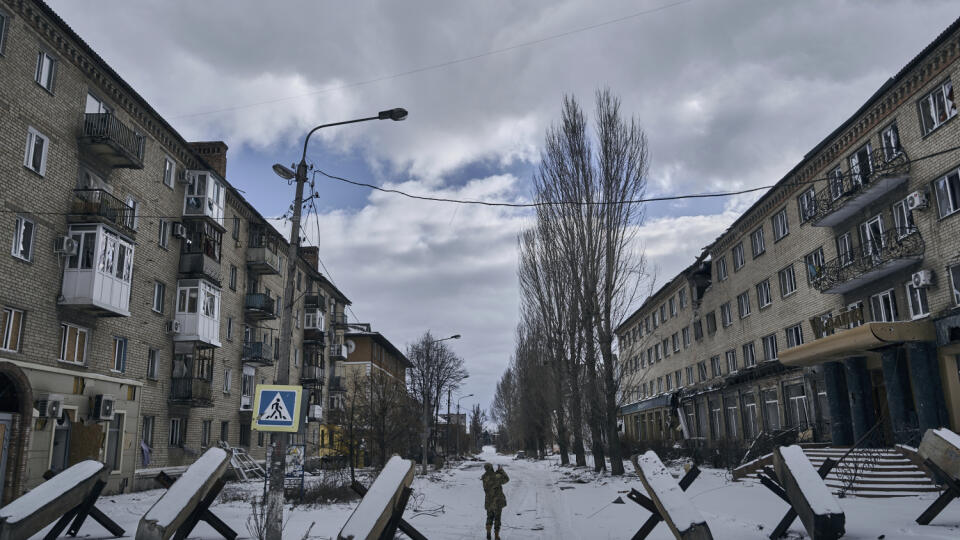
(105, 136)
(97, 276)
(311, 375)
(846, 196)
(338, 352)
(257, 352)
(98, 206)
(259, 306)
(192, 391)
(895, 250)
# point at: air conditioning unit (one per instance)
(49, 405)
(315, 412)
(923, 278)
(917, 200)
(103, 407)
(173, 326)
(179, 230)
(65, 245)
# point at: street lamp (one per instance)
(457, 429)
(279, 440)
(426, 406)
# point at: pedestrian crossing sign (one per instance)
(276, 408)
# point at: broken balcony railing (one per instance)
(858, 187)
(878, 257)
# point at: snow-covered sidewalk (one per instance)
(545, 500)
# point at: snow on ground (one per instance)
(548, 501)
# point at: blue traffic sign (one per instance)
(276, 408)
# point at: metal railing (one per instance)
(258, 351)
(895, 244)
(106, 127)
(100, 204)
(839, 190)
(259, 302)
(190, 388)
(338, 318)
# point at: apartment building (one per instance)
(140, 298)
(832, 302)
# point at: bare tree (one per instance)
(478, 421)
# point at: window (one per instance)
(689, 371)
(159, 293)
(35, 156)
(702, 370)
(656, 352)
(731, 356)
(233, 277)
(903, 219)
(796, 403)
(205, 433)
(743, 304)
(682, 297)
(230, 328)
(721, 268)
(845, 249)
(676, 342)
(163, 233)
(788, 281)
(917, 297)
(169, 171)
(659, 385)
(119, 354)
(749, 355)
(836, 183)
(711, 323)
(11, 324)
(669, 382)
(236, 228)
(96, 105)
(955, 282)
(861, 165)
(794, 335)
(814, 263)
(890, 137)
(152, 367)
(738, 256)
(856, 306)
(764, 298)
(677, 378)
(23, 234)
(937, 107)
(646, 323)
(685, 331)
(715, 366)
(781, 226)
(697, 330)
(114, 442)
(807, 204)
(225, 431)
(771, 410)
(726, 314)
(46, 70)
(756, 243)
(133, 218)
(663, 313)
(227, 380)
(655, 322)
(147, 434)
(948, 193)
(73, 344)
(884, 306)
(770, 348)
(4, 18)
(673, 306)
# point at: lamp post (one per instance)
(426, 403)
(279, 440)
(457, 429)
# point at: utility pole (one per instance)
(278, 441)
(446, 442)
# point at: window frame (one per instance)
(51, 72)
(954, 272)
(731, 359)
(153, 363)
(739, 260)
(65, 328)
(120, 345)
(930, 99)
(726, 314)
(764, 288)
(227, 380)
(794, 334)
(879, 297)
(169, 172)
(810, 259)
(743, 304)
(29, 153)
(163, 233)
(897, 148)
(749, 359)
(9, 316)
(807, 205)
(175, 432)
(758, 245)
(922, 298)
(786, 276)
(19, 230)
(903, 213)
(770, 346)
(159, 295)
(845, 250)
(4, 26)
(722, 268)
(780, 220)
(951, 189)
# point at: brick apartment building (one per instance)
(832, 302)
(141, 294)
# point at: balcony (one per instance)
(894, 251)
(336, 385)
(198, 312)
(315, 301)
(846, 196)
(263, 260)
(338, 319)
(199, 265)
(98, 206)
(192, 391)
(259, 307)
(97, 277)
(315, 413)
(203, 197)
(338, 352)
(112, 141)
(311, 375)
(257, 352)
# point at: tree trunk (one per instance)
(595, 411)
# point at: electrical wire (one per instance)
(440, 65)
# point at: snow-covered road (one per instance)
(545, 500)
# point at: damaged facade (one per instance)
(833, 302)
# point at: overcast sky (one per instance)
(731, 94)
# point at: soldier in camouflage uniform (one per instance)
(494, 499)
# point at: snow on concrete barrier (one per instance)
(373, 514)
(50, 500)
(174, 507)
(809, 496)
(675, 508)
(940, 450)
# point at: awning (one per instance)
(857, 341)
(662, 400)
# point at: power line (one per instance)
(443, 64)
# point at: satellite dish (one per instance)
(351, 346)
